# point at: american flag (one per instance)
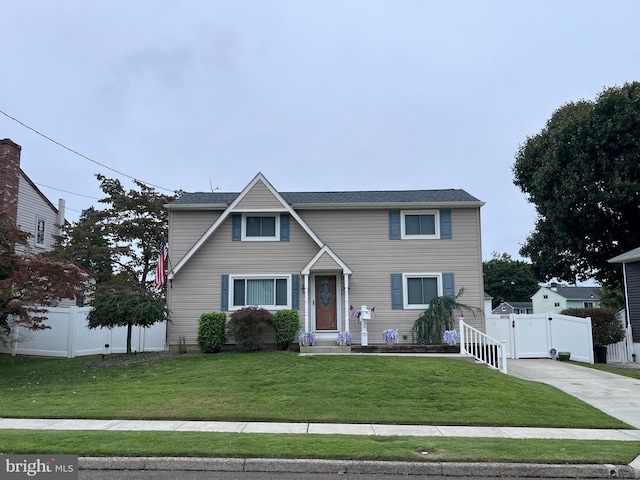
(161, 268)
(373, 313)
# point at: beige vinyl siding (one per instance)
(186, 228)
(31, 205)
(260, 198)
(196, 288)
(325, 263)
(360, 238)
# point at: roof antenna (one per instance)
(211, 186)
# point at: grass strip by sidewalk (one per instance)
(285, 387)
(352, 447)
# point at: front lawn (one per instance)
(282, 386)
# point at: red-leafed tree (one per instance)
(29, 281)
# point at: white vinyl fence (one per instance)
(534, 336)
(622, 352)
(69, 336)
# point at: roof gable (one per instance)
(326, 258)
(244, 201)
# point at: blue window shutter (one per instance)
(394, 225)
(295, 292)
(445, 224)
(284, 227)
(448, 286)
(236, 227)
(224, 293)
(397, 303)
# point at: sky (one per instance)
(318, 95)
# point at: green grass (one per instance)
(285, 387)
(352, 447)
(278, 386)
(618, 370)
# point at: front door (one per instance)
(326, 306)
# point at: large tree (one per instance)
(29, 281)
(131, 227)
(507, 280)
(582, 173)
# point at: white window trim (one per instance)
(405, 289)
(275, 238)
(42, 244)
(403, 234)
(232, 279)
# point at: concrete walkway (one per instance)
(615, 395)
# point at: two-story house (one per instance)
(23, 201)
(556, 298)
(31, 210)
(321, 253)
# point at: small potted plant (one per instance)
(344, 338)
(390, 336)
(307, 339)
(451, 337)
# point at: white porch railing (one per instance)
(485, 349)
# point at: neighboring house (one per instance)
(321, 253)
(556, 298)
(519, 308)
(23, 201)
(631, 270)
(487, 303)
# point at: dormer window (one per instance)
(260, 227)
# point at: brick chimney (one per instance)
(9, 177)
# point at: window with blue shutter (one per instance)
(236, 227)
(394, 225)
(397, 300)
(284, 227)
(224, 293)
(448, 286)
(445, 224)
(295, 292)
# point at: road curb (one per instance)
(358, 467)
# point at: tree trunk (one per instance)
(129, 329)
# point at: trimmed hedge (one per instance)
(211, 331)
(286, 324)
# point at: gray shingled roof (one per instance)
(301, 198)
(579, 293)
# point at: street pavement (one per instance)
(616, 395)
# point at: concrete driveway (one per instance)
(615, 395)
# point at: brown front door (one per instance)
(326, 308)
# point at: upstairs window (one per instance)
(260, 227)
(420, 225)
(588, 304)
(41, 226)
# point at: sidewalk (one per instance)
(616, 395)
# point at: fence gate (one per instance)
(533, 336)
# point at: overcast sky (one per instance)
(317, 95)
